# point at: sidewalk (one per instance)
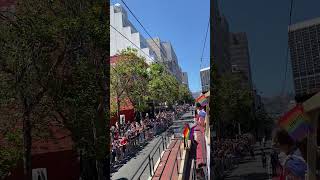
(251, 169)
(167, 163)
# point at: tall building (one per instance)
(119, 20)
(239, 57)
(172, 61)
(185, 78)
(155, 43)
(220, 46)
(304, 43)
(205, 79)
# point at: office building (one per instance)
(304, 43)
(220, 43)
(156, 45)
(172, 61)
(185, 78)
(119, 20)
(205, 79)
(240, 58)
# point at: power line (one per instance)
(161, 50)
(137, 46)
(287, 53)
(142, 26)
(204, 44)
(130, 41)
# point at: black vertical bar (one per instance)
(150, 166)
(177, 165)
(163, 143)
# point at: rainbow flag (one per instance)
(186, 132)
(202, 100)
(296, 123)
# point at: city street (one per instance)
(138, 162)
(128, 169)
(249, 169)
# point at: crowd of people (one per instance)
(287, 158)
(228, 152)
(127, 137)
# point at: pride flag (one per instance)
(202, 100)
(186, 132)
(296, 123)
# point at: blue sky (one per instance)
(266, 24)
(181, 22)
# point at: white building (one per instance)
(205, 79)
(119, 20)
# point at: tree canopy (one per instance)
(56, 71)
(133, 79)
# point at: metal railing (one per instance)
(149, 160)
(193, 175)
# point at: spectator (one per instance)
(293, 166)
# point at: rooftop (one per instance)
(204, 69)
(304, 24)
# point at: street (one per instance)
(249, 169)
(128, 170)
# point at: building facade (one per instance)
(160, 53)
(185, 78)
(304, 43)
(205, 79)
(240, 58)
(172, 61)
(220, 46)
(119, 20)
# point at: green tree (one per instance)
(163, 87)
(233, 103)
(156, 86)
(129, 79)
(57, 64)
(184, 94)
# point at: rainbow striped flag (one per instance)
(296, 123)
(186, 132)
(202, 100)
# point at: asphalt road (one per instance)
(250, 169)
(139, 162)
